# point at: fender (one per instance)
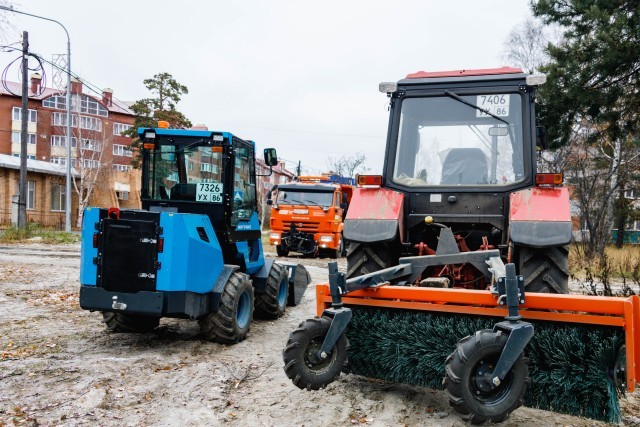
(374, 215)
(540, 217)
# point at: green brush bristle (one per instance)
(568, 364)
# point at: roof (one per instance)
(15, 89)
(464, 73)
(38, 166)
(301, 186)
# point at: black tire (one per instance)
(363, 258)
(544, 269)
(337, 252)
(120, 322)
(273, 302)
(232, 321)
(472, 399)
(345, 245)
(281, 251)
(301, 366)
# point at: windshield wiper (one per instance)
(472, 105)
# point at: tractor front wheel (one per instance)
(544, 269)
(120, 322)
(467, 379)
(273, 302)
(231, 322)
(281, 250)
(303, 365)
(364, 258)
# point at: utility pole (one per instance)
(22, 197)
(298, 169)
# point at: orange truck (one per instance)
(307, 216)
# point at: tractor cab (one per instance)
(204, 172)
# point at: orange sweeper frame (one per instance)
(592, 310)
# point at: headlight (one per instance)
(274, 235)
(326, 238)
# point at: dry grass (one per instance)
(617, 272)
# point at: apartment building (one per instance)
(100, 155)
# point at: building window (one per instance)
(29, 156)
(122, 150)
(62, 161)
(58, 193)
(90, 164)
(121, 168)
(16, 137)
(17, 115)
(88, 105)
(118, 128)
(629, 194)
(31, 194)
(61, 141)
(90, 144)
(91, 123)
(60, 119)
(122, 195)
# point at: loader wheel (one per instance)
(544, 269)
(301, 363)
(467, 385)
(281, 251)
(364, 258)
(231, 322)
(273, 302)
(120, 322)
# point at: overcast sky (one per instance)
(299, 76)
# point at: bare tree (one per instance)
(6, 27)
(525, 46)
(347, 166)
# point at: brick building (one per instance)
(100, 155)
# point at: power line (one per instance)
(314, 132)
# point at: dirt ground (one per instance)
(58, 366)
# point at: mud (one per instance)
(58, 366)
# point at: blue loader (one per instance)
(194, 250)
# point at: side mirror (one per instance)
(269, 202)
(344, 206)
(270, 156)
(542, 137)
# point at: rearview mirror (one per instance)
(542, 137)
(498, 131)
(270, 156)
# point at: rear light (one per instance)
(161, 244)
(95, 239)
(369, 180)
(549, 179)
(113, 213)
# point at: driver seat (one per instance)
(465, 166)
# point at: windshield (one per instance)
(184, 172)
(309, 198)
(445, 141)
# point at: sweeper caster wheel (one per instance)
(272, 303)
(231, 322)
(120, 322)
(302, 364)
(467, 384)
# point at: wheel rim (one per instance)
(282, 292)
(243, 313)
(481, 389)
(310, 359)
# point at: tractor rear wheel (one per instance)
(544, 269)
(466, 382)
(231, 322)
(120, 322)
(273, 302)
(302, 364)
(364, 258)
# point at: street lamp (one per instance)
(68, 188)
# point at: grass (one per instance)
(34, 232)
(615, 273)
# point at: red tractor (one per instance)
(461, 156)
